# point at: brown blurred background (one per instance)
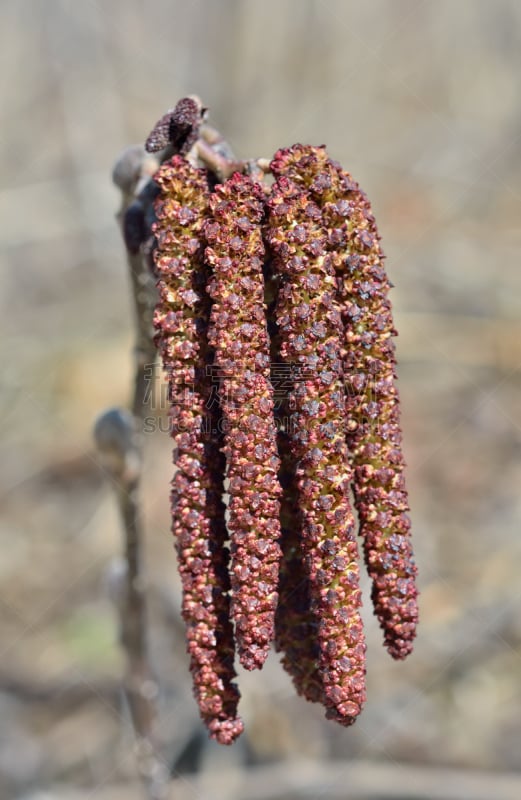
(420, 101)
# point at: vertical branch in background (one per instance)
(118, 438)
(132, 173)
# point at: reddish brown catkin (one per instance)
(198, 525)
(295, 623)
(373, 428)
(238, 332)
(310, 331)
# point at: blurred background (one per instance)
(420, 102)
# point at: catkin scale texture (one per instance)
(255, 282)
(198, 522)
(296, 625)
(309, 326)
(238, 332)
(372, 401)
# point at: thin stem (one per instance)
(132, 173)
(119, 446)
(119, 440)
(143, 292)
(140, 687)
(223, 166)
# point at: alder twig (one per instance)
(223, 166)
(118, 442)
(118, 437)
(132, 173)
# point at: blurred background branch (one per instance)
(420, 102)
(119, 440)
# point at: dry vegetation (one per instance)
(420, 101)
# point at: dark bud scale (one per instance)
(254, 278)
(178, 128)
